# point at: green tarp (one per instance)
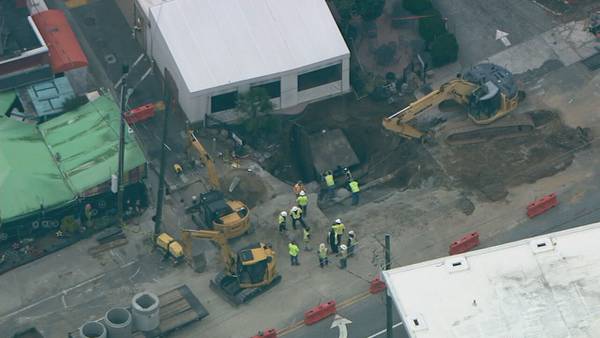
(61, 158)
(87, 143)
(29, 177)
(6, 100)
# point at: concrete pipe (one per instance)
(92, 330)
(145, 307)
(118, 323)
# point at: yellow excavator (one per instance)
(489, 93)
(246, 274)
(230, 217)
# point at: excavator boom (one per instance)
(216, 236)
(458, 90)
(213, 176)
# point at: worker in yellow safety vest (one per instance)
(297, 217)
(282, 221)
(178, 169)
(329, 183)
(355, 190)
(306, 238)
(323, 255)
(294, 251)
(302, 201)
(338, 228)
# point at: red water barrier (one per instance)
(319, 312)
(377, 285)
(465, 244)
(140, 113)
(541, 205)
(270, 333)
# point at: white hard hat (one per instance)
(343, 247)
(302, 193)
(284, 214)
(338, 221)
(294, 208)
(351, 232)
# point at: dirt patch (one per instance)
(249, 187)
(490, 168)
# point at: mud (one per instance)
(250, 189)
(491, 168)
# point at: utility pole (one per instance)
(388, 300)
(163, 164)
(120, 178)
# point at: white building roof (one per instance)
(219, 42)
(547, 286)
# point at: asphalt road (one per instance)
(363, 319)
(474, 22)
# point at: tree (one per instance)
(444, 50)
(254, 102)
(432, 26)
(417, 6)
(370, 10)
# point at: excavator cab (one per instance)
(485, 102)
(221, 214)
(253, 264)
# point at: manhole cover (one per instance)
(110, 59)
(89, 21)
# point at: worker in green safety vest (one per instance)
(302, 201)
(355, 190)
(294, 251)
(329, 183)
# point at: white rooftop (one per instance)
(547, 286)
(218, 42)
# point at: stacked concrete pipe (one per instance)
(144, 307)
(118, 323)
(92, 330)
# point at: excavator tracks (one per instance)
(228, 288)
(465, 132)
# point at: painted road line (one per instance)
(383, 331)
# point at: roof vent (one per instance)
(417, 322)
(539, 245)
(456, 264)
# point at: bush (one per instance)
(370, 10)
(385, 54)
(417, 6)
(444, 50)
(432, 26)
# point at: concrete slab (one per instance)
(331, 150)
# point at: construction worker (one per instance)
(323, 255)
(343, 256)
(294, 251)
(282, 221)
(355, 189)
(178, 169)
(297, 217)
(338, 228)
(306, 238)
(329, 183)
(333, 243)
(351, 243)
(302, 201)
(298, 187)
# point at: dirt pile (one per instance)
(493, 166)
(247, 187)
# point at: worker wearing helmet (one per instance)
(351, 243)
(338, 227)
(282, 221)
(302, 201)
(343, 256)
(298, 187)
(296, 213)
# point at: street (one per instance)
(475, 22)
(363, 319)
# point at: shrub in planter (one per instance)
(417, 6)
(444, 50)
(432, 26)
